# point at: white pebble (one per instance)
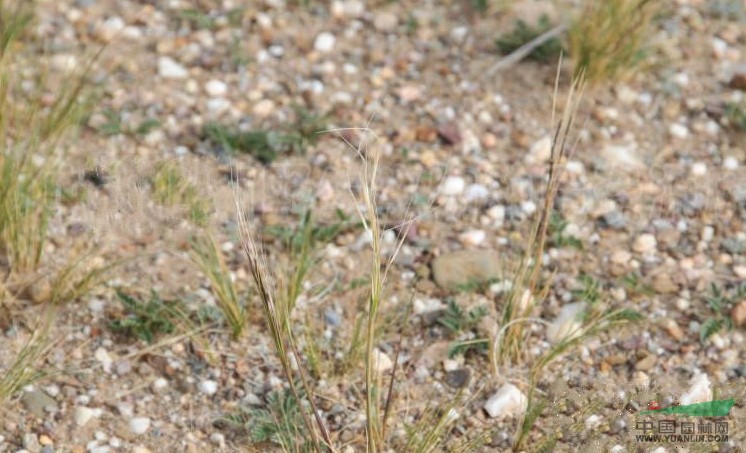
(529, 207)
(507, 402)
(719, 47)
(208, 387)
(740, 271)
(730, 163)
(381, 362)
(263, 108)
(139, 425)
(420, 306)
(453, 185)
(324, 42)
(540, 151)
(168, 68)
(645, 244)
(218, 439)
(700, 390)
(103, 357)
(160, 384)
(567, 324)
(472, 237)
(216, 88)
(83, 415)
(476, 192)
(593, 422)
(699, 169)
(708, 233)
(678, 130)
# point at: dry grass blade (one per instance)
(23, 370)
(207, 257)
(278, 321)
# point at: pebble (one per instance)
(453, 185)
(208, 387)
(672, 328)
(507, 402)
(168, 68)
(624, 158)
(738, 314)
(567, 324)
(740, 272)
(699, 169)
(218, 439)
(324, 42)
(540, 151)
(82, 415)
(103, 357)
(31, 443)
(476, 193)
(463, 267)
(263, 108)
(593, 422)
(528, 207)
(678, 131)
(645, 244)
(385, 21)
(139, 425)
(38, 403)
(216, 88)
(429, 305)
(472, 237)
(332, 317)
(381, 362)
(730, 163)
(347, 8)
(159, 385)
(700, 390)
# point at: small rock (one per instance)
(699, 169)
(38, 403)
(740, 271)
(646, 363)
(208, 387)
(621, 158)
(449, 133)
(593, 422)
(122, 367)
(168, 68)
(453, 185)
(83, 415)
(672, 328)
(216, 88)
(263, 108)
(645, 244)
(738, 81)
(476, 193)
(139, 425)
(160, 385)
(31, 443)
(40, 290)
(507, 402)
(430, 305)
(664, 284)
(218, 439)
(678, 131)
(381, 362)
(540, 152)
(332, 317)
(700, 390)
(409, 93)
(385, 21)
(464, 267)
(568, 323)
(730, 163)
(103, 357)
(528, 207)
(342, 9)
(738, 313)
(472, 238)
(458, 378)
(324, 42)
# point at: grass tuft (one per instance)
(170, 188)
(609, 38)
(208, 258)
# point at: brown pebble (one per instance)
(738, 313)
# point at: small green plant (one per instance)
(523, 33)
(635, 287)
(280, 423)
(145, 320)
(590, 290)
(456, 320)
(558, 237)
(610, 38)
(720, 303)
(114, 125)
(170, 188)
(267, 145)
(208, 258)
(736, 115)
(197, 19)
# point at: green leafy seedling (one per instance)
(145, 320)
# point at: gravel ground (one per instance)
(654, 200)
